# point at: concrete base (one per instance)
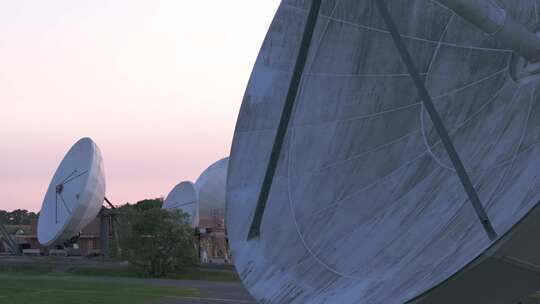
(31, 252)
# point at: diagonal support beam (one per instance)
(109, 203)
(74, 177)
(255, 228)
(65, 203)
(13, 247)
(437, 121)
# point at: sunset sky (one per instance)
(157, 84)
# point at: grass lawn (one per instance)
(54, 269)
(188, 274)
(25, 289)
(533, 299)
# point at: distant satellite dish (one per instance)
(74, 196)
(211, 185)
(340, 187)
(184, 197)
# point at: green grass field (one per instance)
(188, 274)
(56, 269)
(53, 281)
(26, 289)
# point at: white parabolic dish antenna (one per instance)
(363, 203)
(211, 185)
(184, 197)
(75, 194)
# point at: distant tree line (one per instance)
(25, 217)
(17, 217)
(144, 204)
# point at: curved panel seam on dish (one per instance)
(454, 130)
(308, 248)
(312, 254)
(454, 91)
(435, 99)
(524, 131)
(436, 144)
(374, 29)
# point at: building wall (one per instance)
(214, 242)
(89, 240)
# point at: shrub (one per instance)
(156, 241)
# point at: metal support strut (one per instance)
(437, 121)
(108, 220)
(8, 240)
(255, 228)
(496, 22)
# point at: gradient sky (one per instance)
(157, 84)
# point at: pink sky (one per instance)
(157, 84)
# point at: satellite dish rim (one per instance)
(208, 175)
(95, 155)
(194, 218)
(202, 175)
(242, 183)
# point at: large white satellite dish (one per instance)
(75, 194)
(387, 152)
(211, 186)
(184, 197)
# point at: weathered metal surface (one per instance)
(365, 206)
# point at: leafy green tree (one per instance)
(144, 204)
(156, 241)
(149, 204)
